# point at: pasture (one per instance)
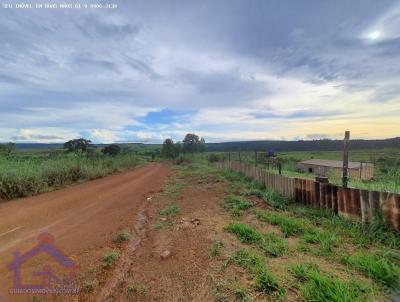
(386, 162)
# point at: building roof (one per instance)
(331, 163)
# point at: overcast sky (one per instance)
(227, 70)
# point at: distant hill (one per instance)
(303, 145)
(279, 146)
(27, 146)
(36, 146)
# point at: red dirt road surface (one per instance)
(82, 218)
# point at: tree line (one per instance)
(302, 145)
(192, 143)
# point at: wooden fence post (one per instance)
(345, 175)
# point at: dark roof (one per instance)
(331, 163)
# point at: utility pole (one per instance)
(345, 174)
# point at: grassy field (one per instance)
(386, 162)
(293, 253)
(30, 172)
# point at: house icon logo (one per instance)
(51, 281)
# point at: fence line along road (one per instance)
(356, 204)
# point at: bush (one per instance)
(213, 158)
(112, 150)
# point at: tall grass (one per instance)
(30, 175)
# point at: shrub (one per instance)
(110, 258)
(121, 237)
(213, 158)
(112, 150)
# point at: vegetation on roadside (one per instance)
(110, 258)
(264, 280)
(296, 233)
(316, 286)
(121, 237)
(29, 173)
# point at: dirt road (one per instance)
(82, 218)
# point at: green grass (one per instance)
(237, 204)
(244, 233)
(270, 243)
(275, 200)
(121, 237)
(264, 280)
(316, 286)
(361, 234)
(273, 244)
(382, 267)
(327, 241)
(110, 258)
(386, 163)
(288, 225)
(132, 289)
(215, 248)
(241, 294)
(90, 286)
(170, 211)
(172, 188)
(31, 174)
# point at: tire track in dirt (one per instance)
(82, 218)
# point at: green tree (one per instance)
(76, 145)
(169, 149)
(112, 150)
(7, 149)
(192, 143)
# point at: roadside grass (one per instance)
(170, 210)
(316, 286)
(270, 243)
(216, 248)
(110, 258)
(320, 235)
(274, 245)
(241, 294)
(89, 286)
(172, 188)
(326, 241)
(263, 279)
(274, 199)
(288, 225)
(384, 268)
(22, 176)
(374, 232)
(121, 237)
(244, 233)
(133, 289)
(237, 204)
